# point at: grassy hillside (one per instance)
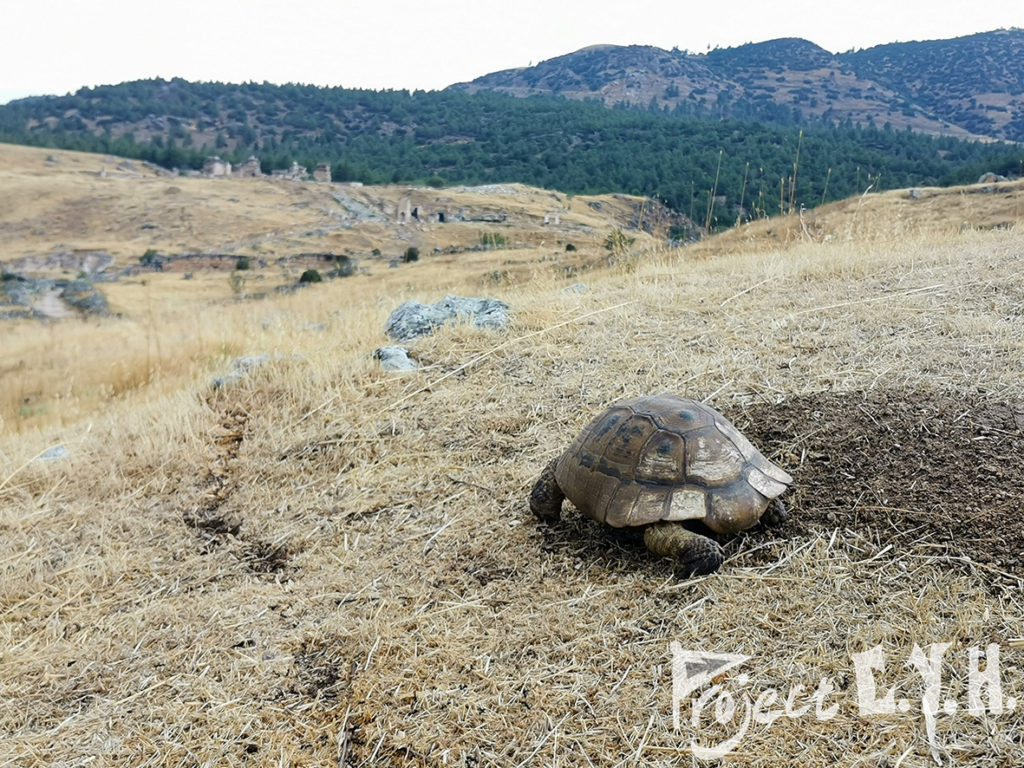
(327, 564)
(77, 204)
(79, 201)
(732, 168)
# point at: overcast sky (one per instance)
(58, 46)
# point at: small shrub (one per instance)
(345, 267)
(495, 239)
(375, 251)
(412, 253)
(242, 263)
(570, 247)
(682, 232)
(435, 182)
(618, 242)
(151, 258)
(311, 276)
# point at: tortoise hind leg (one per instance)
(775, 514)
(697, 554)
(546, 497)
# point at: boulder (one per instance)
(413, 319)
(395, 358)
(83, 296)
(52, 298)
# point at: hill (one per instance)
(60, 201)
(328, 564)
(715, 172)
(967, 87)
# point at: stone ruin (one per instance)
(322, 172)
(295, 173)
(249, 169)
(408, 213)
(216, 168)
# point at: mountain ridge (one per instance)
(967, 87)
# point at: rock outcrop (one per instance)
(413, 319)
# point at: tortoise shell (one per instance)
(667, 458)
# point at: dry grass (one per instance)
(65, 203)
(882, 217)
(329, 565)
(173, 330)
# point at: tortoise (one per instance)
(665, 463)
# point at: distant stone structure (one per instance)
(295, 173)
(249, 169)
(552, 218)
(406, 213)
(215, 167)
(322, 172)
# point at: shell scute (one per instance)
(662, 460)
(712, 460)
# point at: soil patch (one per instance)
(901, 466)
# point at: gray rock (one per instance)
(240, 366)
(395, 359)
(914, 194)
(84, 296)
(52, 298)
(575, 288)
(55, 453)
(413, 319)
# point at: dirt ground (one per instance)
(903, 466)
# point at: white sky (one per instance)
(58, 46)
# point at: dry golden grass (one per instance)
(173, 330)
(880, 217)
(325, 564)
(65, 203)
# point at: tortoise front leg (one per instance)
(546, 497)
(697, 554)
